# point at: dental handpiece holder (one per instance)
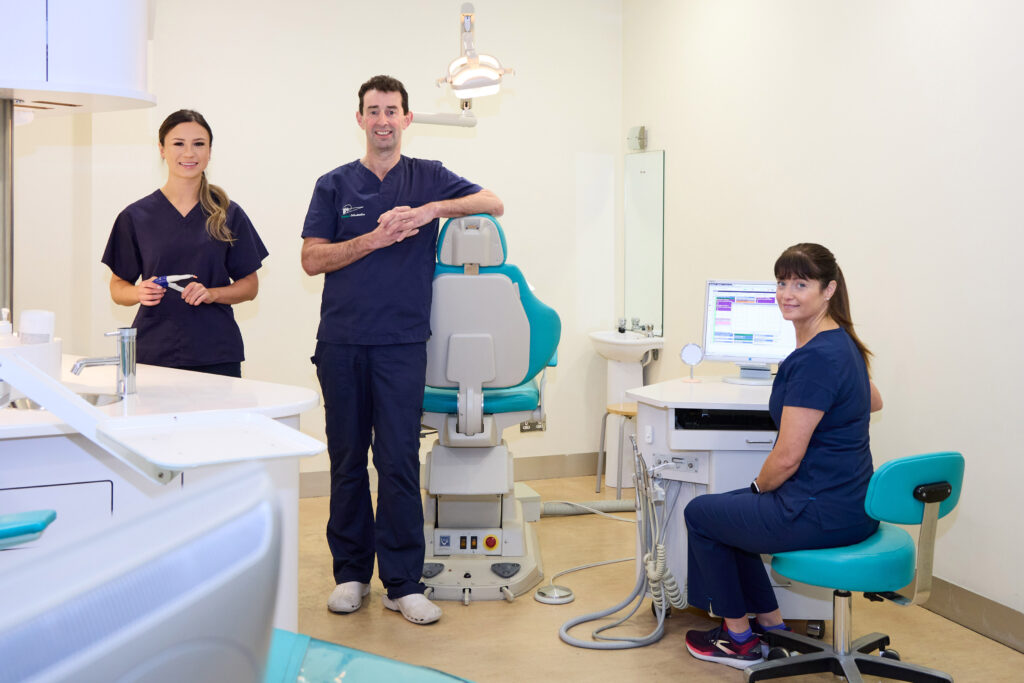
(124, 360)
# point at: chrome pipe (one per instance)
(7, 205)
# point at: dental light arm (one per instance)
(470, 75)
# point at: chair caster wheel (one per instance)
(887, 653)
(816, 629)
(778, 653)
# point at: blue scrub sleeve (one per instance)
(451, 185)
(122, 254)
(812, 382)
(321, 218)
(248, 251)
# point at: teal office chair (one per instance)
(917, 490)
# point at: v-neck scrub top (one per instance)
(384, 297)
(828, 373)
(151, 238)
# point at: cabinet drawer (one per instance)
(708, 440)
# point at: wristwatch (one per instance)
(753, 487)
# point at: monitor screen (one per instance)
(743, 323)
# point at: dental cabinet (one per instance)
(711, 437)
(47, 464)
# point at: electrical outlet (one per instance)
(534, 425)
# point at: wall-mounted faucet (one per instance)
(124, 360)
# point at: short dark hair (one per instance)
(384, 84)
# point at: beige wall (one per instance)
(278, 85)
(891, 132)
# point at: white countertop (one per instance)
(711, 393)
(162, 391)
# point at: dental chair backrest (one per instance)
(488, 330)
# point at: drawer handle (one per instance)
(752, 441)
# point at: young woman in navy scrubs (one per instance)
(186, 227)
(810, 491)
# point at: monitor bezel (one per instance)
(741, 360)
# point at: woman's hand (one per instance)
(148, 292)
(196, 293)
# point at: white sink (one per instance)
(624, 347)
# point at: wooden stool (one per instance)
(627, 411)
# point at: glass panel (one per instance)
(644, 215)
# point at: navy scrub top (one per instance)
(151, 238)
(384, 297)
(828, 373)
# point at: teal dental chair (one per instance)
(917, 490)
(491, 340)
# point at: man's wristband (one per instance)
(754, 488)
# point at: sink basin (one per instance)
(625, 347)
(26, 403)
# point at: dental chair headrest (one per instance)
(471, 240)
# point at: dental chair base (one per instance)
(479, 545)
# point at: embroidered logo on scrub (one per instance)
(348, 211)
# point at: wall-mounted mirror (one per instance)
(644, 216)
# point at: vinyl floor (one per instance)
(518, 642)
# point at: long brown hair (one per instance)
(810, 261)
(213, 199)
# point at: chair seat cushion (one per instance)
(882, 562)
(525, 396)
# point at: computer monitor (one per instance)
(743, 324)
(183, 592)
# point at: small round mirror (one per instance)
(692, 355)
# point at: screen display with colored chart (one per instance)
(743, 323)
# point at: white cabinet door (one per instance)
(22, 42)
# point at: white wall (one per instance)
(278, 84)
(890, 131)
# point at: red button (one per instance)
(491, 542)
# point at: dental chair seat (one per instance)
(523, 397)
(297, 657)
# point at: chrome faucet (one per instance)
(124, 360)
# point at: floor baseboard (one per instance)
(982, 615)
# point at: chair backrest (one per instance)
(485, 322)
(890, 496)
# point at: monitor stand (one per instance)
(759, 374)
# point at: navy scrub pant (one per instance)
(375, 391)
(726, 534)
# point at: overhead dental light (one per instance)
(472, 74)
(469, 75)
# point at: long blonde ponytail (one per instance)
(215, 203)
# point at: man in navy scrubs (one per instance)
(371, 229)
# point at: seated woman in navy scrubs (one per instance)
(186, 227)
(810, 491)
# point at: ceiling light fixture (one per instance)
(469, 75)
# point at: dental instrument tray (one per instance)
(193, 440)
